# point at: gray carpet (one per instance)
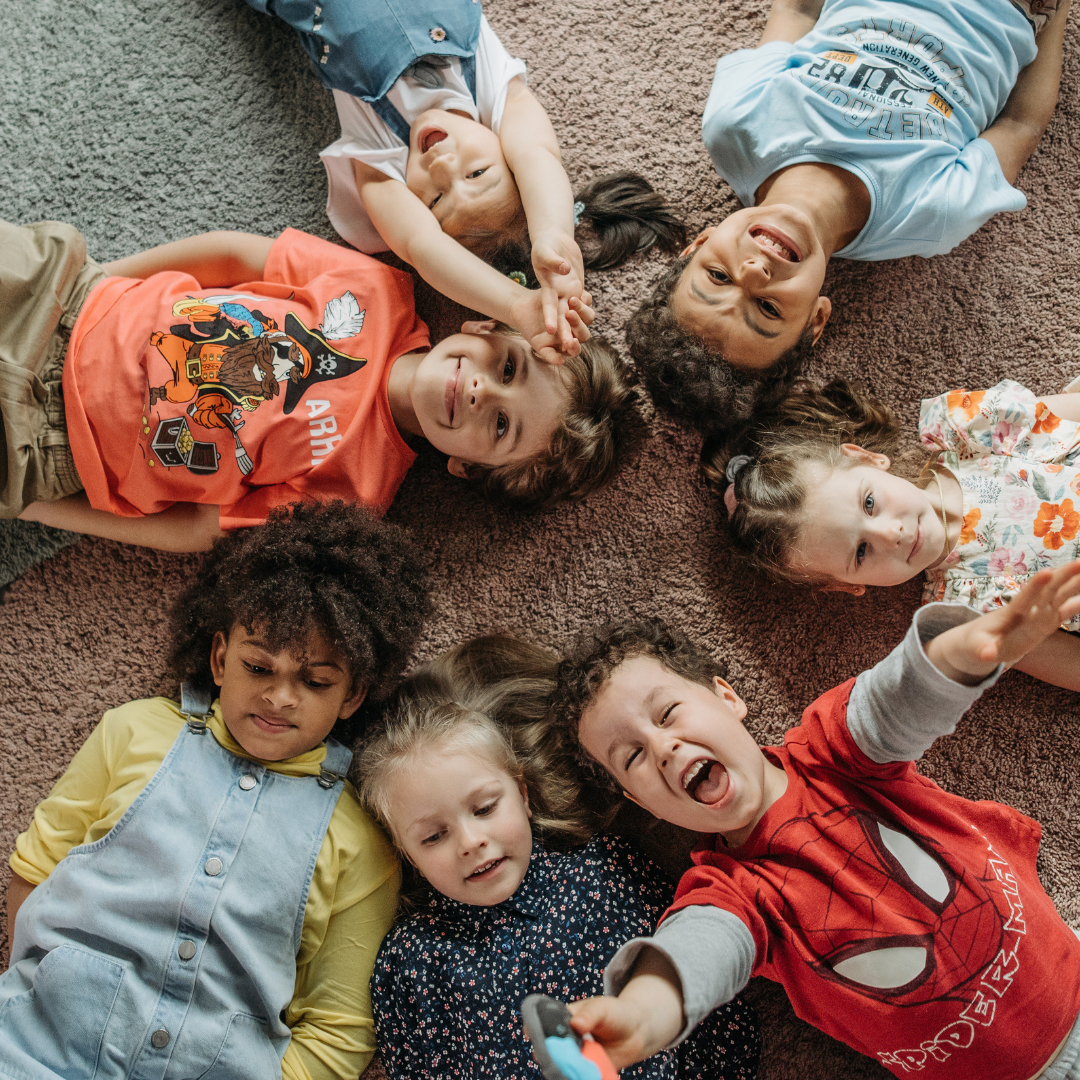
(142, 122)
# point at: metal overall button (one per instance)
(213, 866)
(247, 781)
(160, 1039)
(187, 950)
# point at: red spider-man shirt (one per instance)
(905, 921)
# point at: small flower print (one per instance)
(437, 34)
(1024, 475)
(1005, 437)
(1009, 561)
(1056, 523)
(965, 402)
(1074, 484)
(1045, 420)
(1052, 468)
(1021, 506)
(971, 520)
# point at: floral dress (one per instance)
(1019, 468)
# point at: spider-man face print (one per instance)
(897, 921)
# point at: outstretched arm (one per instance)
(214, 259)
(1017, 130)
(414, 234)
(1055, 661)
(531, 149)
(790, 20)
(183, 527)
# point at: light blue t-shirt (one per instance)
(898, 101)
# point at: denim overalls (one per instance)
(362, 46)
(167, 949)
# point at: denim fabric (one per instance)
(167, 949)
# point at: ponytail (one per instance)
(764, 495)
(627, 215)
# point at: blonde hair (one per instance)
(488, 697)
(808, 425)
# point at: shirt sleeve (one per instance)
(495, 68)
(350, 909)
(296, 258)
(899, 708)
(63, 819)
(711, 949)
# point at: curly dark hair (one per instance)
(688, 379)
(598, 426)
(590, 661)
(331, 567)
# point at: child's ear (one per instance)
(218, 647)
(352, 703)
(459, 467)
(636, 802)
(525, 797)
(697, 241)
(866, 457)
(820, 317)
(475, 326)
(844, 586)
(724, 690)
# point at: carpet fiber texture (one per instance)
(142, 122)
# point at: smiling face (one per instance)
(752, 287)
(680, 750)
(485, 399)
(279, 705)
(463, 822)
(864, 526)
(457, 169)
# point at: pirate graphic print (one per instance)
(229, 359)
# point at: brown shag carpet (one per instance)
(143, 122)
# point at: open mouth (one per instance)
(487, 870)
(777, 243)
(429, 138)
(706, 781)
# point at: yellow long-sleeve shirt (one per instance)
(350, 905)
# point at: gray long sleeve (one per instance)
(710, 948)
(901, 706)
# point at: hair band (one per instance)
(579, 209)
(732, 470)
(519, 277)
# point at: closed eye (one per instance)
(633, 755)
(431, 205)
(667, 713)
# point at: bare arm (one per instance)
(1055, 661)
(1017, 130)
(17, 891)
(790, 20)
(214, 259)
(183, 527)
(414, 234)
(967, 654)
(1067, 406)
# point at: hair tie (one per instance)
(579, 209)
(734, 465)
(519, 277)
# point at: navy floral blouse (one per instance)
(449, 979)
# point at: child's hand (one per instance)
(560, 271)
(968, 653)
(527, 317)
(615, 1024)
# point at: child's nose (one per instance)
(280, 694)
(756, 271)
(471, 840)
(480, 390)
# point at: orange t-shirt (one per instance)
(248, 397)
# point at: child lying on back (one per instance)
(859, 129)
(905, 921)
(448, 159)
(811, 499)
(191, 388)
(200, 894)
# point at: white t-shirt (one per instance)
(896, 93)
(365, 136)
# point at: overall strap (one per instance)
(195, 703)
(468, 69)
(393, 119)
(336, 764)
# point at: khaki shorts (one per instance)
(1037, 12)
(45, 278)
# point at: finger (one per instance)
(549, 304)
(587, 1015)
(549, 260)
(585, 312)
(477, 326)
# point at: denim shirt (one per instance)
(449, 980)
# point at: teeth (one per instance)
(691, 775)
(775, 244)
(486, 866)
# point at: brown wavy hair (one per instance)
(598, 426)
(490, 696)
(808, 425)
(688, 379)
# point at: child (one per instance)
(205, 381)
(868, 129)
(201, 893)
(810, 498)
(447, 158)
(905, 921)
(482, 803)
